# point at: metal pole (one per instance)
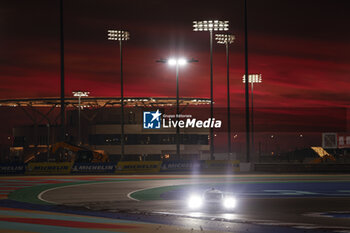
(211, 97)
(121, 100)
(48, 141)
(79, 133)
(229, 149)
(63, 120)
(246, 82)
(177, 113)
(252, 118)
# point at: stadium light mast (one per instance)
(62, 94)
(246, 88)
(211, 25)
(253, 78)
(80, 94)
(177, 63)
(119, 35)
(227, 39)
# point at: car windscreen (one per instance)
(213, 196)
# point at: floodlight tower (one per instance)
(253, 78)
(62, 94)
(177, 62)
(80, 94)
(246, 88)
(119, 35)
(227, 39)
(211, 25)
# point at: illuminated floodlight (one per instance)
(253, 78)
(210, 25)
(81, 93)
(172, 61)
(177, 61)
(118, 35)
(182, 61)
(224, 38)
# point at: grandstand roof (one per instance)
(103, 101)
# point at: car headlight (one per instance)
(230, 202)
(195, 202)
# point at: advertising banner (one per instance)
(42, 168)
(180, 166)
(12, 168)
(138, 167)
(222, 164)
(94, 167)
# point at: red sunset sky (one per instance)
(302, 49)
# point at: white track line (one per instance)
(52, 202)
(134, 199)
(40, 196)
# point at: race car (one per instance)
(212, 199)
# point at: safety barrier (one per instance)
(12, 168)
(122, 167)
(302, 168)
(45, 168)
(168, 166)
(203, 165)
(227, 165)
(79, 168)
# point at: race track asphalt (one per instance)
(319, 203)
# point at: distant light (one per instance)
(182, 61)
(253, 78)
(172, 61)
(118, 35)
(224, 38)
(210, 25)
(81, 93)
